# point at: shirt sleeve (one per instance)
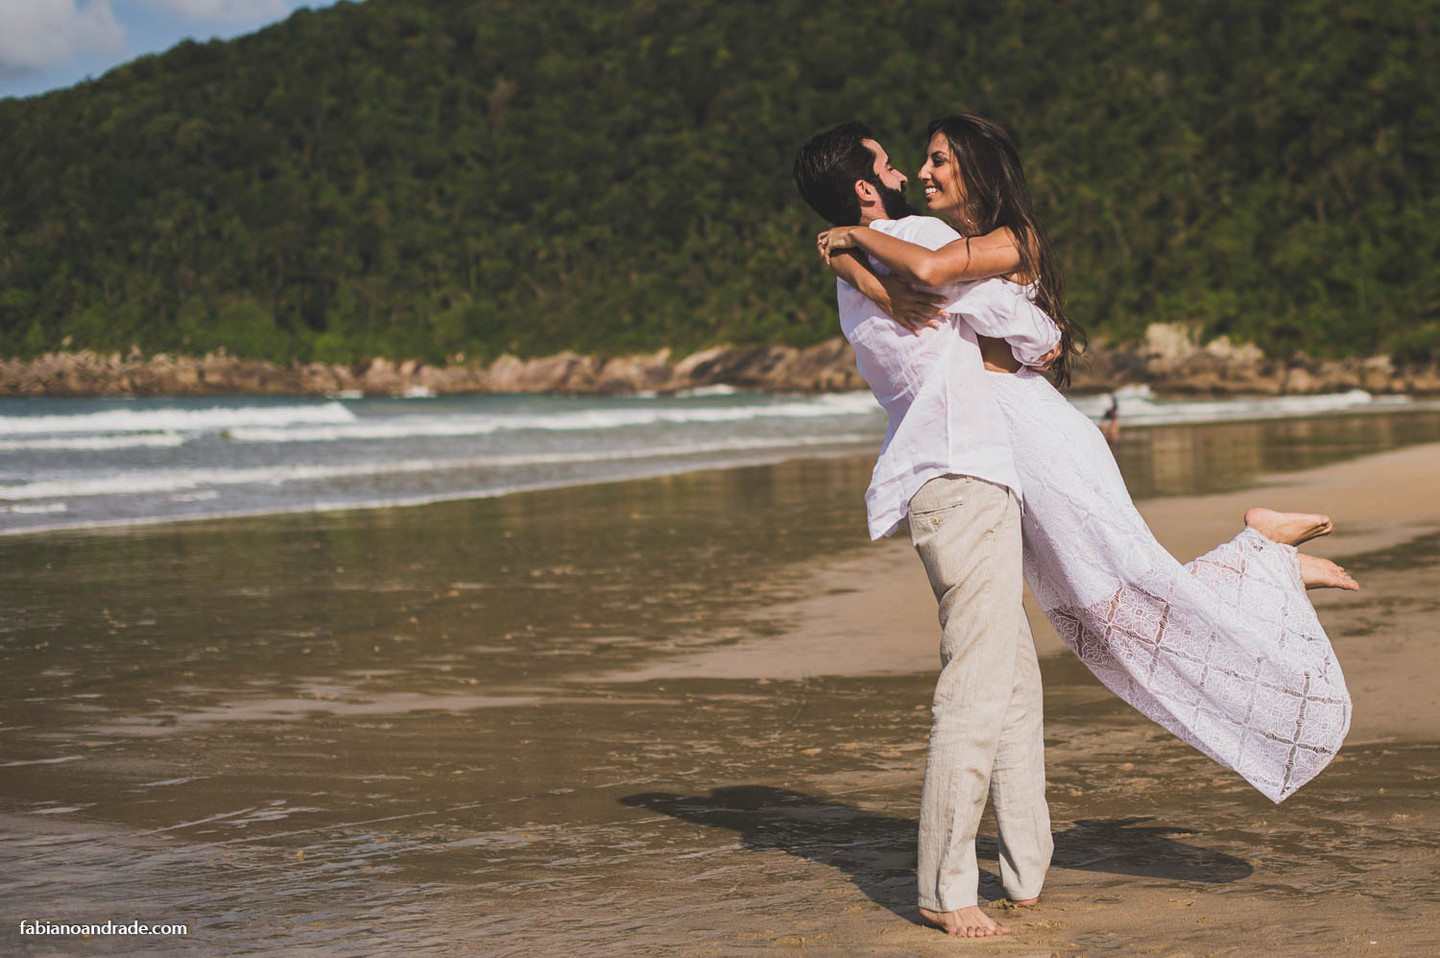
(991, 307)
(1001, 310)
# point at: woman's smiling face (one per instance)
(944, 189)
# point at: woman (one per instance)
(1226, 651)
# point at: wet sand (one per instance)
(679, 716)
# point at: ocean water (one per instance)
(395, 729)
(76, 463)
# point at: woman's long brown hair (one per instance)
(996, 196)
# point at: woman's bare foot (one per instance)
(968, 922)
(1319, 573)
(1289, 528)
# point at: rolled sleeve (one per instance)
(1003, 310)
(991, 307)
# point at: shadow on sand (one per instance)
(878, 852)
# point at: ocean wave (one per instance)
(719, 389)
(162, 420)
(587, 420)
(150, 482)
(1139, 406)
(131, 441)
(39, 508)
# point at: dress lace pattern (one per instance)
(1225, 651)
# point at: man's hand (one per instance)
(1049, 358)
(915, 309)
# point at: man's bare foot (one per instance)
(1289, 528)
(1319, 573)
(968, 922)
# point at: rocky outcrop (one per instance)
(827, 367)
(1170, 361)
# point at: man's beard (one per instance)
(894, 203)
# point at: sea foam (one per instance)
(162, 420)
(582, 420)
(150, 482)
(1139, 406)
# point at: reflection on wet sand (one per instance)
(382, 732)
(1186, 460)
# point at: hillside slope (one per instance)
(434, 177)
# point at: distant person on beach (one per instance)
(1225, 652)
(946, 463)
(1110, 423)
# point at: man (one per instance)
(946, 465)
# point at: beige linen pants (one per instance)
(986, 729)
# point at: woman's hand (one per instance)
(915, 309)
(835, 240)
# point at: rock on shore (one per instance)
(1169, 361)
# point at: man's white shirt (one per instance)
(943, 418)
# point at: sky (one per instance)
(48, 44)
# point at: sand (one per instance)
(873, 614)
(683, 716)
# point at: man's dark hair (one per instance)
(827, 167)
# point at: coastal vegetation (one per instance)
(453, 180)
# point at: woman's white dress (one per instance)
(1225, 651)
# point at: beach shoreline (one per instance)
(1216, 869)
(1385, 508)
(691, 709)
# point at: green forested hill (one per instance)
(430, 177)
